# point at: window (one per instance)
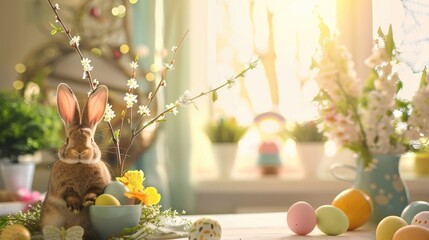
(284, 35)
(270, 31)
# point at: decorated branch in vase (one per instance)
(363, 116)
(94, 111)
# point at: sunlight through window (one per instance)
(284, 35)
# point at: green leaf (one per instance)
(55, 29)
(313, 64)
(399, 86)
(389, 42)
(117, 133)
(214, 96)
(423, 81)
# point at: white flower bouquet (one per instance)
(367, 117)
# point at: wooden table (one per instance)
(273, 226)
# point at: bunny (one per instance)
(79, 176)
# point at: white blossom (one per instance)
(230, 82)
(134, 65)
(86, 64)
(143, 110)
(109, 113)
(132, 83)
(174, 48)
(253, 63)
(174, 108)
(185, 99)
(57, 6)
(168, 67)
(130, 99)
(75, 41)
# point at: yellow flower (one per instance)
(148, 196)
(133, 180)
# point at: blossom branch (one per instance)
(73, 42)
(172, 108)
(131, 99)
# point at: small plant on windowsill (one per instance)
(306, 131)
(225, 130)
(225, 133)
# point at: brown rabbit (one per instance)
(79, 176)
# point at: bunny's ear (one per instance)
(68, 107)
(95, 107)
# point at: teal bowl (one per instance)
(110, 221)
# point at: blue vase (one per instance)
(383, 183)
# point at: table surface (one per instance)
(273, 226)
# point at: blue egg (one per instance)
(117, 189)
(412, 209)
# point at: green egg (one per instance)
(331, 220)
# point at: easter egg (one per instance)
(412, 209)
(16, 232)
(301, 218)
(357, 206)
(107, 200)
(205, 228)
(117, 189)
(422, 219)
(331, 220)
(388, 226)
(412, 232)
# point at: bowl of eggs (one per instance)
(110, 216)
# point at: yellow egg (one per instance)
(107, 200)
(15, 232)
(388, 226)
(357, 206)
(412, 232)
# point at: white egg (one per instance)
(422, 219)
(205, 228)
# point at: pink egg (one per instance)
(301, 218)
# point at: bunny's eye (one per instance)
(67, 140)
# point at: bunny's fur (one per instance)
(79, 176)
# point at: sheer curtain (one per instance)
(161, 24)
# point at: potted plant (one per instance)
(26, 126)
(310, 145)
(225, 133)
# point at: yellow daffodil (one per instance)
(149, 196)
(133, 180)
